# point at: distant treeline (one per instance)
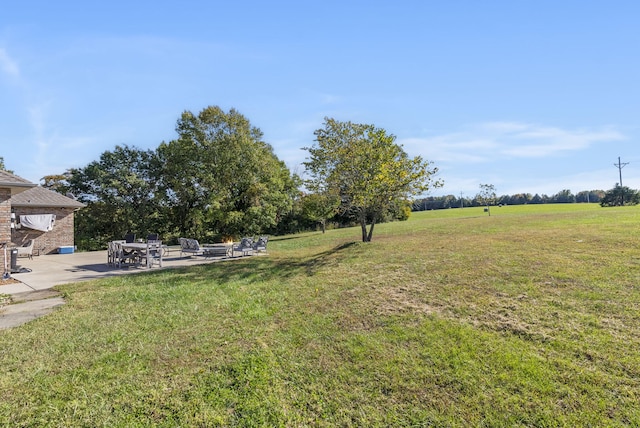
(452, 201)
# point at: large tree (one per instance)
(221, 178)
(367, 169)
(217, 179)
(120, 190)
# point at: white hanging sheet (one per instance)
(42, 222)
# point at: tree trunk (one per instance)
(323, 225)
(363, 226)
(366, 236)
(373, 223)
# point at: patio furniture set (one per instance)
(247, 246)
(129, 252)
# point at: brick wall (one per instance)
(5, 224)
(46, 242)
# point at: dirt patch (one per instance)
(8, 281)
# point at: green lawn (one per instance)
(529, 317)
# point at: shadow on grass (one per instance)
(285, 238)
(265, 268)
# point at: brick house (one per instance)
(38, 201)
(20, 197)
(10, 186)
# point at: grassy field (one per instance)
(529, 317)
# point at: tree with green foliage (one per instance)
(367, 169)
(220, 178)
(488, 196)
(564, 197)
(319, 207)
(590, 196)
(3, 167)
(120, 191)
(57, 182)
(217, 179)
(620, 195)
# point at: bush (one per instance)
(620, 195)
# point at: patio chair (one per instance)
(261, 244)
(26, 250)
(111, 253)
(114, 253)
(190, 246)
(129, 238)
(245, 246)
(152, 254)
(120, 256)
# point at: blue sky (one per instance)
(530, 96)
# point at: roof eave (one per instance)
(17, 187)
(74, 207)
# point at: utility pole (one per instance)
(621, 165)
(461, 201)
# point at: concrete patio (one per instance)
(32, 297)
(49, 270)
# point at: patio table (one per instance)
(222, 250)
(142, 249)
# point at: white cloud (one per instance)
(536, 141)
(493, 141)
(519, 157)
(451, 148)
(8, 65)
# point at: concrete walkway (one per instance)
(28, 306)
(32, 297)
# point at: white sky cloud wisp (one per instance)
(506, 140)
(8, 65)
